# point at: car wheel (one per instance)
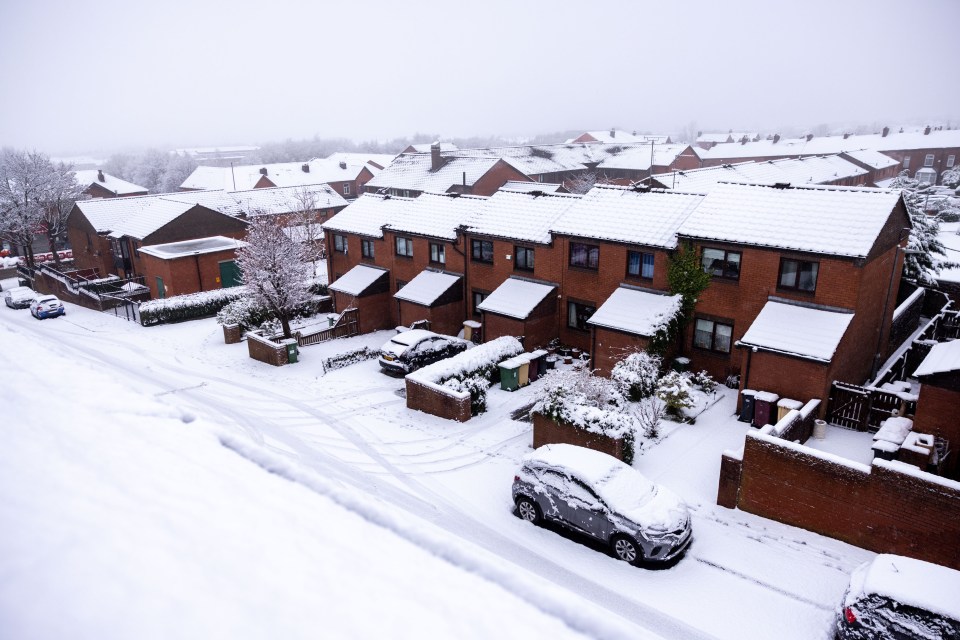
(626, 549)
(528, 510)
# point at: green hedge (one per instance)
(187, 307)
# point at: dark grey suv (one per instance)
(595, 494)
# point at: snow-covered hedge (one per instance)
(637, 374)
(350, 357)
(187, 307)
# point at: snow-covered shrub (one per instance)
(342, 360)
(637, 374)
(649, 413)
(703, 382)
(674, 389)
(244, 312)
(588, 402)
(476, 386)
(187, 307)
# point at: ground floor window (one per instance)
(478, 297)
(578, 313)
(712, 335)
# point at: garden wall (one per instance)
(548, 431)
(438, 401)
(267, 351)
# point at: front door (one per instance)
(229, 274)
(161, 290)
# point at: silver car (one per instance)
(19, 297)
(597, 495)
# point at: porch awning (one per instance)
(804, 332)
(638, 312)
(358, 279)
(427, 287)
(516, 298)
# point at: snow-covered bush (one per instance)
(637, 374)
(674, 389)
(704, 382)
(588, 402)
(476, 385)
(187, 307)
(649, 413)
(342, 360)
(244, 312)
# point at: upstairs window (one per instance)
(798, 274)
(950, 161)
(713, 336)
(928, 160)
(339, 243)
(583, 255)
(639, 265)
(438, 253)
(404, 247)
(346, 188)
(524, 258)
(401, 284)
(721, 263)
(481, 251)
(366, 248)
(906, 162)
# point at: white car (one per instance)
(19, 297)
(47, 307)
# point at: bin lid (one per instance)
(787, 403)
(514, 362)
(766, 396)
(748, 392)
(539, 353)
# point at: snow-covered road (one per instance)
(743, 577)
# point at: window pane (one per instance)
(647, 265)
(578, 255)
(593, 259)
(713, 261)
(928, 160)
(703, 336)
(788, 273)
(732, 268)
(633, 263)
(723, 335)
(488, 251)
(571, 315)
(808, 276)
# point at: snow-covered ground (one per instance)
(155, 482)
(951, 241)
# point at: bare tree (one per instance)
(273, 269)
(584, 181)
(57, 201)
(307, 225)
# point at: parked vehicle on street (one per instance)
(411, 350)
(19, 297)
(899, 597)
(47, 307)
(597, 495)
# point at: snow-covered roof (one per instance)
(367, 215)
(191, 247)
(616, 135)
(943, 357)
(278, 200)
(377, 161)
(357, 280)
(138, 216)
(796, 171)
(516, 298)
(424, 147)
(527, 187)
(623, 214)
(840, 221)
(638, 312)
(281, 174)
(87, 177)
(637, 158)
(427, 286)
(872, 158)
(520, 216)
(435, 215)
(414, 171)
(800, 331)
(911, 582)
(732, 136)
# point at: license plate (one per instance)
(390, 358)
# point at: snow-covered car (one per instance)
(19, 297)
(47, 307)
(898, 597)
(597, 495)
(411, 350)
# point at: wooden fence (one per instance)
(346, 325)
(863, 408)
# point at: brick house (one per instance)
(98, 184)
(835, 169)
(820, 261)
(190, 266)
(617, 136)
(710, 140)
(939, 397)
(366, 288)
(642, 161)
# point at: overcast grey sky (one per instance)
(87, 76)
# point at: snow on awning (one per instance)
(799, 331)
(638, 312)
(358, 279)
(943, 357)
(516, 298)
(427, 287)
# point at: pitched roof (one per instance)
(797, 171)
(279, 200)
(943, 357)
(357, 280)
(808, 333)
(732, 136)
(137, 213)
(638, 312)
(516, 298)
(414, 171)
(623, 214)
(840, 221)
(367, 215)
(435, 215)
(872, 158)
(427, 286)
(282, 174)
(375, 161)
(527, 187)
(637, 158)
(88, 177)
(623, 136)
(520, 216)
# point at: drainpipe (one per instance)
(196, 257)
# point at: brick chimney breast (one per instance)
(436, 161)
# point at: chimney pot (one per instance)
(809, 137)
(613, 133)
(343, 164)
(926, 131)
(305, 168)
(846, 135)
(100, 175)
(886, 131)
(263, 171)
(776, 138)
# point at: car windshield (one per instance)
(624, 489)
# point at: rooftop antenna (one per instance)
(233, 175)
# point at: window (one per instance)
(712, 335)
(339, 243)
(640, 264)
(366, 248)
(950, 161)
(578, 313)
(404, 247)
(481, 251)
(722, 264)
(906, 162)
(478, 297)
(524, 258)
(438, 253)
(401, 284)
(798, 274)
(346, 188)
(928, 160)
(584, 255)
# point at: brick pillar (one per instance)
(729, 489)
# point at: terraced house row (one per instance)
(802, 291)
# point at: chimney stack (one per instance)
(743, 140)
(613, 132)
(926, 131)
(305, 168)
(343, 164)
(846, 135)
(809, 137)
(776, 138)
(885, 132)
(100, 175)
(435, 160)
(263, 171)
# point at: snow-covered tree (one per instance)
(307, 223)
(583, 182)
(57, 201)
(637, 374)
(178, 168)
(273, 269)
(951, 177)
(925, 255)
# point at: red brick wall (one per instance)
(90, 251)
(446, 318)
(271, 354)
(917, 157)
(937, 414)
(374, 310)
(546, 431)
(180, 275)
(423, 398)
(729, 489)
(610, 346)
(785, 376)
(537, 330)
(498, 175)
(881, 510)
